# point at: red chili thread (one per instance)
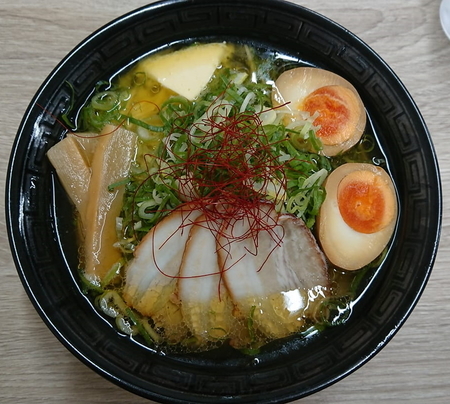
(231, 197)
(223, 177)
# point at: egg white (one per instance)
(345, 247)
(294, 85)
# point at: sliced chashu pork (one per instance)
(151, 277)
(205, 303)
(273, 276)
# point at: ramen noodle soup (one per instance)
(225, 195)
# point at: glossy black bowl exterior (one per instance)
(42, 235)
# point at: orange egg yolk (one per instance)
(338, 110)
(365, 201)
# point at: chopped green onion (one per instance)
(111, 187)
(111, 274)
(105, 101)
(142, 124)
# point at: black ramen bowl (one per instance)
(41, 230)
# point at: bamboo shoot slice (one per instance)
(88, 143)
(111, 164)
(186, 71)
(73, 172)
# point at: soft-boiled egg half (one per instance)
(358, 216)
(341, 116)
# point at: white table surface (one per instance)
(413, 367)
